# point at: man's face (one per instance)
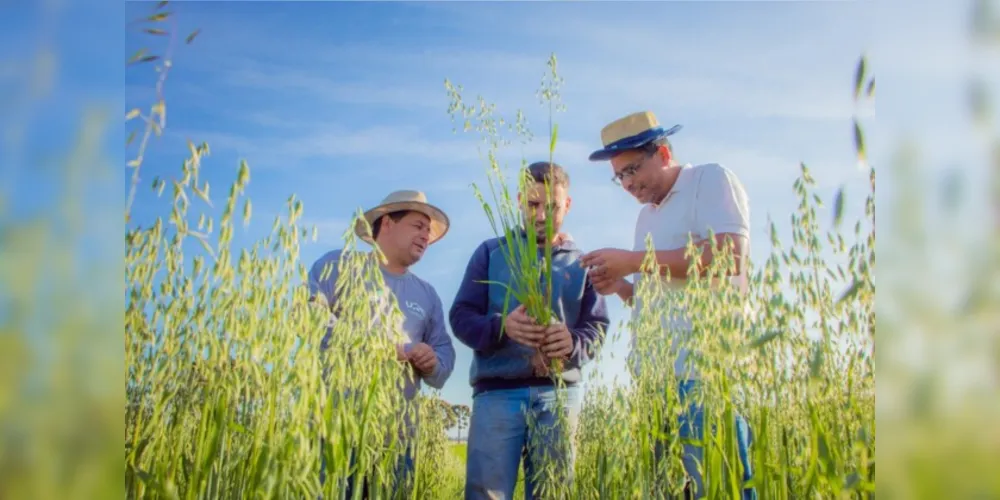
(640, 173)
(408, 237)
(537, 207)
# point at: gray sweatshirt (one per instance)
(423, 315)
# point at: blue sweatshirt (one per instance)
(477, 314)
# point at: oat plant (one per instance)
(230, 392)
(530, 264)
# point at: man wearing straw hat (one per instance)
(678, 201)
(403, 226)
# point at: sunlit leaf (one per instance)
(246, 212)
(838, 207)
(859, 142)
(139, 54)
(859, 76)
(764, 339)
(851, 291)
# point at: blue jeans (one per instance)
(499, 438)
(691, 426)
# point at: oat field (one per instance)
(229, 396)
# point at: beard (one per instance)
(415, 251)
(540, 235)
(640, 192)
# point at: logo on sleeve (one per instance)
(416, 309)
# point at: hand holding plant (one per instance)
(607, 286)
(522, 329)
(422, 357)
(557, 344)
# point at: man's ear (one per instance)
(569, 202)
(386, 222)
(665, 154)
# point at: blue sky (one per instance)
(341, 103)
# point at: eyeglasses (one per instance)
(629, 169)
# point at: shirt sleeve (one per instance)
(591, 326)
(439, 340)
(721, 203)
(323, 287)
(471, 321)
(323, 279)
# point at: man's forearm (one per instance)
(442, 370)
(672, 261)
(677, 263)
(477, 331)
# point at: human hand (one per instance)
(423, 358)
(401, 353)
(558, 343)
(608, 265)
(608, 286)
(522, 329)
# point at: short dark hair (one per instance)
(395, 216)
(654, 145)
(542, 170)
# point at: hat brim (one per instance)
(439, 220)
(628, 143)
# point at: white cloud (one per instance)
(752, 71)
(327, 87)
(324, 145)
(738, 97)
(941, 48)
(769, 79)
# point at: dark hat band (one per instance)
(632, 142)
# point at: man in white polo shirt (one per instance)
(678, 201)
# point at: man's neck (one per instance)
(669, 180)
(392, 265)
(394, 268)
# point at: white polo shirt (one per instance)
(704, 196)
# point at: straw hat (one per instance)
(630, 132)
(405, 200)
